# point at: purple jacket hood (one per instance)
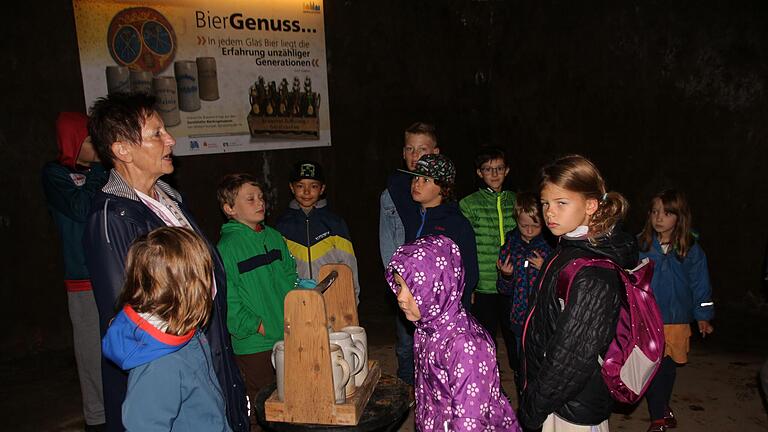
(431, 267)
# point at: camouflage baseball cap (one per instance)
(436, 166)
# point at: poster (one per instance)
(229, 76)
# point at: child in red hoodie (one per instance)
(69, 184)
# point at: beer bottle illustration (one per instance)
(270, 107)
(309, 99)
(283, 104)
(257, 95)
(296, 98)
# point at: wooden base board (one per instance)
(346, 414)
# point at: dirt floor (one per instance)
(717, 391)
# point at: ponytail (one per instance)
(611, 209)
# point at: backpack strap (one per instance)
(568, 273)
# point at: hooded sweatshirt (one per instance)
(68, 191)
(171, 384)
(457, 378)
(563, 339)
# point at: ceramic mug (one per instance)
(352, 354)
(341, 373)
(339, 366)
(278, 362)
(359, 337)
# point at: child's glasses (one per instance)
(495, 170)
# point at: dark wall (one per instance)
(657, 95)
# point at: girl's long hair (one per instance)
(169, 274)
(681, 240)
(578, 174)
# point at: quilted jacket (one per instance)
(491, 215)
(562, 342)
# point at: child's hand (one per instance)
(506, 268)
(536, 260)
(261, 329)
(705, 328)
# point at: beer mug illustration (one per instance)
(118, 79)
(167, 100)
(141, 81)
(187, 83)
(208, 78)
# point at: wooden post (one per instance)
(308, 373)
(340, 300)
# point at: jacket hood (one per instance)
(233, 226)
(617, 245)
(431, 268)
(538, 242)
(444, 208)
(71, 131)
(132, 341)
(319, 204)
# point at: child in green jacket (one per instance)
(260, 272)
(490, 210)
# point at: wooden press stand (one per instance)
(309, 396)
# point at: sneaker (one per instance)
(657, 426)
(670, 421)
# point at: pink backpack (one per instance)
(635, 353)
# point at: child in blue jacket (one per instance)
(172, 385)
(681, 286)
(520, 260)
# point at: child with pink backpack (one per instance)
(567, 336)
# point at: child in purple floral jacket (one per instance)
(520, 260)
(457, 378)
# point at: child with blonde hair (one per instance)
(156, 336)
(564, 338)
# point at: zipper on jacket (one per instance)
(423, 212)
(501, 219)
(528, 320)
(106, 230)
(309, 249)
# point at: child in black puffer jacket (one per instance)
(564, 338)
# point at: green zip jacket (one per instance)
(260, 272)
(491, 216)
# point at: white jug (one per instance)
(353, 354)
(361, 341)
(341, 373)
